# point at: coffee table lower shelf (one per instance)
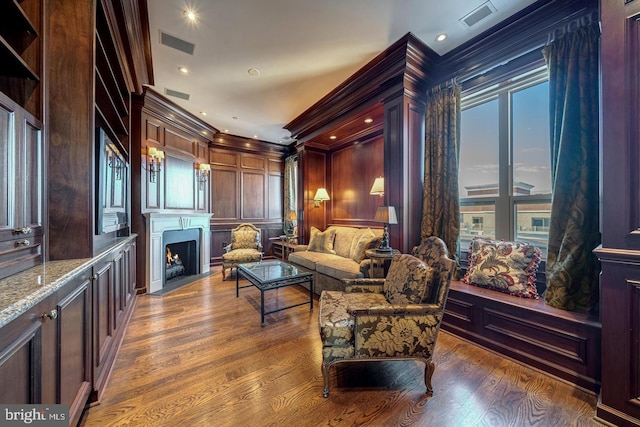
(269, 275)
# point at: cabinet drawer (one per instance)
(20, 253)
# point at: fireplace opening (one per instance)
(182, 254)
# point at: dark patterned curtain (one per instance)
(440, 204)
(572, 268)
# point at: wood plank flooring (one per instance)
(198, 357)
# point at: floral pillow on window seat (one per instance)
(503, 266)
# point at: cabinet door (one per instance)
(102, 305)
(20, 363)
(7, 123)
(74, 345)
(21, 189)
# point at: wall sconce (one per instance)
(377, 189)
(202, 172)
(155, 157)
(385, 215)
(116, 164)
(321, 196)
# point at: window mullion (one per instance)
(504, 217)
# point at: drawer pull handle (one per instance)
(53, 314)
(23, 243)
(23, 230)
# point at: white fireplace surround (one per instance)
(158, 223)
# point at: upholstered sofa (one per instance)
(336, 254)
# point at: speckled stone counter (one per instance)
(20, 292)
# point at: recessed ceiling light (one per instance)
(190, 14)
(441, 37)
(333, 137)
(204, 113)
(183, 70)
(253, 72)
(255, 136)
(226, 131)
(368, 120)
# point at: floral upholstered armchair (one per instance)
(384, 319)
(245, 246)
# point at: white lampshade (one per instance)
(321, 195)
(377, 189)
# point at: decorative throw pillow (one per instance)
(503, 266)
(407, 280)
(245, 240)
(321, 241)
(365, 241)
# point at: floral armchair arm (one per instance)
(227, 248)
(397, 310)
(363, 285)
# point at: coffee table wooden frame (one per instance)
(272, 283)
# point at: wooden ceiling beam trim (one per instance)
(406, 61)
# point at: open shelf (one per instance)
(13, 65)
(15, 26)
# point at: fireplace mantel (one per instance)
(157, 224)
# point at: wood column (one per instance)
(404, 167)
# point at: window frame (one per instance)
(505, 202)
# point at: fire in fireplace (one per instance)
(182, 249)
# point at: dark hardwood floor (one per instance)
(198, 357)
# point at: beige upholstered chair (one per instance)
(245, 246)
(384, 319)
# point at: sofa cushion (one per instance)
(503, 266)
(367, 240)
(307, 259)
(407, 280)
(344, 239)
(338, 267)
(321, 241)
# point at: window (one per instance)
(505, 173)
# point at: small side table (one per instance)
(283, 246)
(380, 259)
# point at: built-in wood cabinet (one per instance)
(113, 287)
(21, 188)
(45, 353)
(62, 349)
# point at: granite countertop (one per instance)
(21, 291)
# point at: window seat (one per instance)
(562, 343)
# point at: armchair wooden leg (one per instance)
(325, 376)
(429, 367)
(223, 272)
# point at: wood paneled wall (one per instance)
(159, 123)
(347, 173)
(353, 170)
(246, 186)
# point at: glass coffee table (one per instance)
(267, 275)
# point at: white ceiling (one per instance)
(302, 48)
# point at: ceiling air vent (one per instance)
(176, 43)
(175, 93)
(478, 14)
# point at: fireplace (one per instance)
(182, 253)
(187, 235)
